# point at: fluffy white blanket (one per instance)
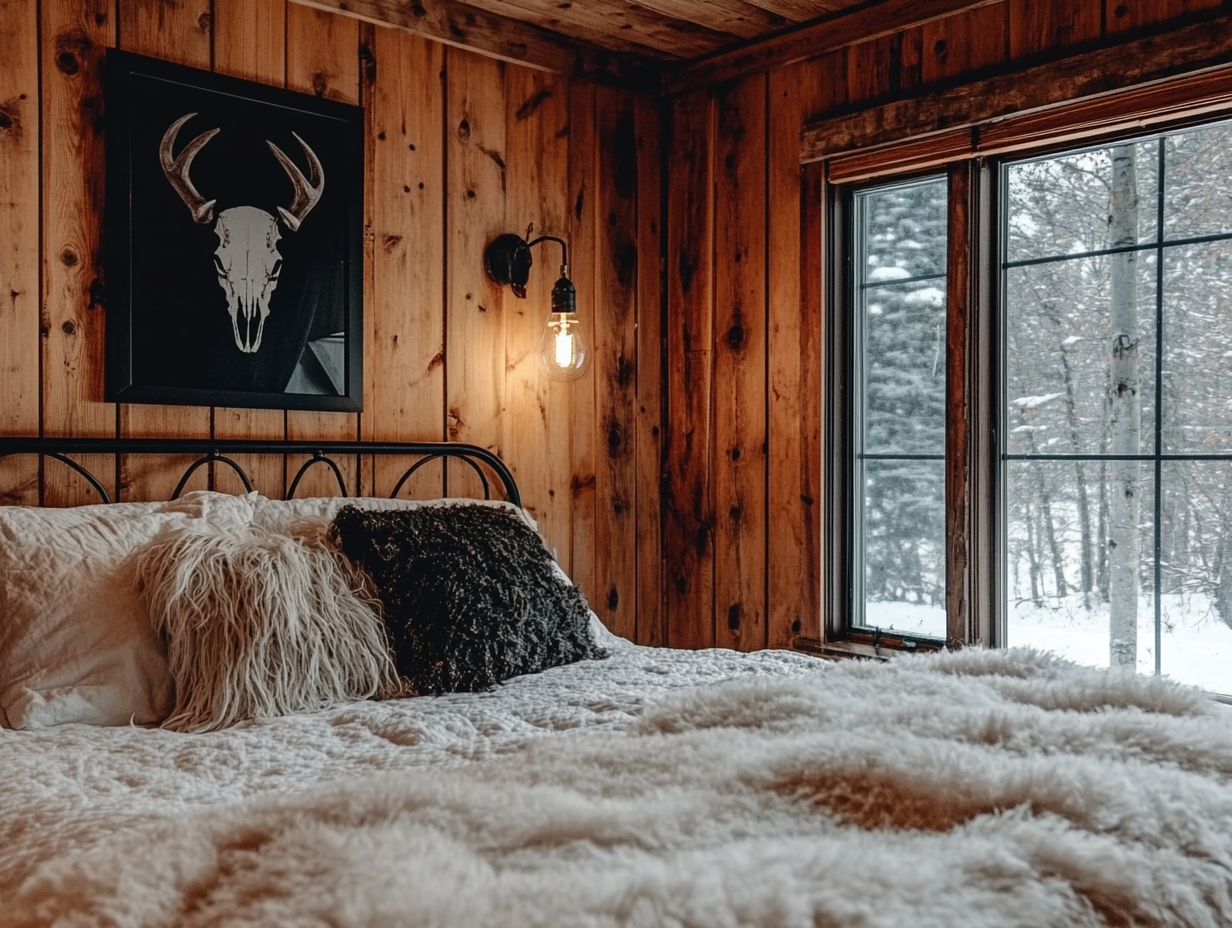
(975, 789)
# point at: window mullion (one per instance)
(958, 406)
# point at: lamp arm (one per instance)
(564, 249)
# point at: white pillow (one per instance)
(76, 643)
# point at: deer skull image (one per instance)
(247, 258)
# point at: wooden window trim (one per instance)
(1127, 89)
(969, 156)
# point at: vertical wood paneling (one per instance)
(19, 244)
(180, 32)
(739, 450)
(1047, 26)
(404, 392)
(475, 319)
(250, 42)
(649, 544)
(794, 494)
(1124, 15)
(689, 530)
(322, 59)
(826, 88)
(884, 67)
(616, 373)
(539, 412)
(968, 42)
(250, 39)
(366, 467)
(559, 174)
(74, 38)
(174, 30)
(583, 216)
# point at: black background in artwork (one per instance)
(181, 335)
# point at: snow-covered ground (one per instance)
(1196, 647)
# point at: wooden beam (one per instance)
(869, 20)
(1192, 49)
(495, 36)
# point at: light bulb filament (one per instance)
(564, 345)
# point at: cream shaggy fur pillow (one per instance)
(259, 624)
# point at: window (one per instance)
(1117, 421)
(898, 426)
(1093, 288)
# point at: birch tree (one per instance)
(1125, 412)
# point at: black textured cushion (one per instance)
(468, 593)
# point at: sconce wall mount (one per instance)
(564, 354)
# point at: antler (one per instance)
(177, 169)
(307, 192)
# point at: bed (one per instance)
(649, 787)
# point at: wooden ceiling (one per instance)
(655, 46)
(663, 30)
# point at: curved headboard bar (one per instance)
(222, 451)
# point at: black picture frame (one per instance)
(248, 293)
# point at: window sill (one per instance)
(861, 647)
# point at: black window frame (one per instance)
(975, 478)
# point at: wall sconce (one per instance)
(563, 354)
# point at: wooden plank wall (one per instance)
(742, 496)
(459, 148)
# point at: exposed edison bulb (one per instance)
(563, 352)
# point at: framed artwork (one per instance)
(234, 241)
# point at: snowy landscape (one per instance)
(1196, 645)
(1117, 364)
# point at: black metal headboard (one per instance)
(220, 451)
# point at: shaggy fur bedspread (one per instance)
(977, 789)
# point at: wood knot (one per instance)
(67, 63)
(795, 627)
(464, 129)
(733, 616)
(69, 257)
(613, 599)
(69, 327)
(939, 47)
(6, 121)
(320, 84)
(735, 336)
